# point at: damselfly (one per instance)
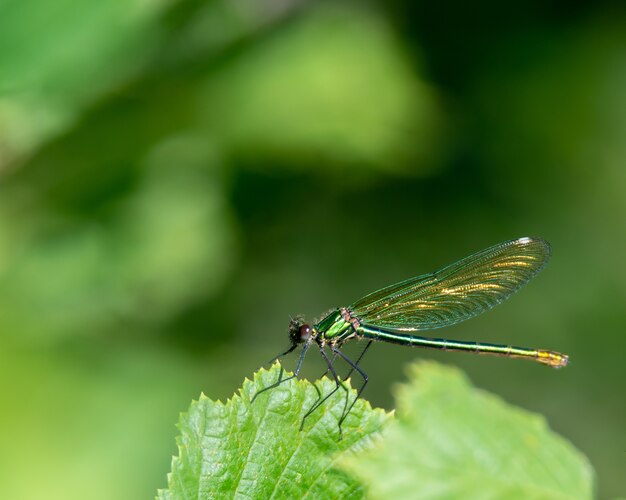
(397, 313)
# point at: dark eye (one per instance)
(305, 332)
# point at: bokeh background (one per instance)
(179, 177)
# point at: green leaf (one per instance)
(59, 56)
(451, 440)
(256, 450)
(315, 67)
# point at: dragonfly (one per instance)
(400, 312)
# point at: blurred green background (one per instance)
(179, 177)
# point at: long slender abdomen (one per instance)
(550, 358)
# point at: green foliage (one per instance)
(451, 440)
(256, 449)
(316, 68)
(58, 56)
(178, 176)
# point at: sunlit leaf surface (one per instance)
(238, 449)
(451, 440)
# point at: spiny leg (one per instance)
(346, 410)
(275, 358)
(280, 376)
(282, 370)
(357, 361)
(352, 365)
(361, 372)
(332, 361)
(319, 393)
(339, 384)
(319, 402)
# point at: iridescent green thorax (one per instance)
(335, 326)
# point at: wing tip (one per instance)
(528, 240)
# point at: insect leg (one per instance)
(338, 384)
(358, 359)
(319, 393)
(363, 375)
(281, 380)
(275, 358)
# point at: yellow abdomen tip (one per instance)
(553, 359)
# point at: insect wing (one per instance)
(457, 292)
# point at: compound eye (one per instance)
(305, 332)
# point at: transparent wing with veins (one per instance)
(457, 292)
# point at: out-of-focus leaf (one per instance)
(256, 450)
(334, 87)
(153, 255)
(559, 130)
(550, 115)
(82, 418)
(453, 441)
(57, 56)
